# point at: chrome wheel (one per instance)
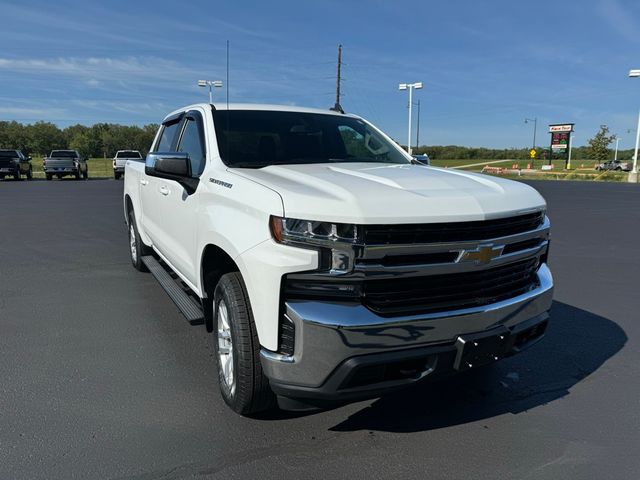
(225, 347)
(132, 243)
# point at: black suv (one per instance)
(15, 163)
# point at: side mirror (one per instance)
(29, 158)
(174, 166)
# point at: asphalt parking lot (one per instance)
(101, 377)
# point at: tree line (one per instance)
(99, 140)
(105, 139)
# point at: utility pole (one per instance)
(418, 128)
(337, 107)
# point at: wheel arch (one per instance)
(215, 262)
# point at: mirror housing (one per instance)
(174, 166)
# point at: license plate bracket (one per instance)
(477, 349)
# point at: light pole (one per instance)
(535, 128)
(615, 156)
(410, 87)
(633, 175)
(210, 83)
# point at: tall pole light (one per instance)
(210, 83)
(410, 87)
(633, 175)
(535, 128)
(615, 156)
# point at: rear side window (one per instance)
(167, 137)
(192, 143)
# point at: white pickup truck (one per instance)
(329, 266)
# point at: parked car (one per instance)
(328, 267)
(121, 158)
(614, 165)
(15, 163)
(65, 162)
(422, 159)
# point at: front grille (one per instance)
(440, 293)
(450, 232)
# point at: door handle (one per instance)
(164, 190)
(144, 182)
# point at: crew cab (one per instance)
(15, 163)
(120, 160)
(65, 162)
(328, 266)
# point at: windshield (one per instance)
(64, 154)
(256, 138)
(8, 154)
(128, 154)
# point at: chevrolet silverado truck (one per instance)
(15, 163)
(65, 162)
(120, 160)
(328, 266)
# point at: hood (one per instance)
(366, 193)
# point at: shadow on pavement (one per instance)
(576, 345)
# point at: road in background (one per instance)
(101, 377)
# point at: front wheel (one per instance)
(85, 175)
(48, 176)
(243, 385)
(30, 174)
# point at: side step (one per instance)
(189, 308)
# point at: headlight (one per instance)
(336, 238)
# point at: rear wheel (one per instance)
(243, 385)
(30, 174)
(16, 176)
(49, 176)
(59, 177)
(137, 248)
(85, 175)
(78, 174)
(116, 175)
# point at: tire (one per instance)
(1, 177)
(48, 176)
(30, 174)
(16, 176)
(85, 175)
(59, 177)
(137, 248)
(78, 174)
(243, 385)
(116, 175)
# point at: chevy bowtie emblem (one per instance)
(483, 254)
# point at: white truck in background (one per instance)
(328, 266)
(120, 160)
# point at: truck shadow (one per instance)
(577, 343)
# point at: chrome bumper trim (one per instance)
(328, 333)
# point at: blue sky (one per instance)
(485, 65)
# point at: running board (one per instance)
(187, 306)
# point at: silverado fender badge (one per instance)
(481, 255)
(220, 182)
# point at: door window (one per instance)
(191, 143)
(169, 131)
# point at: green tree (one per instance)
(44, 137)
(599, 145)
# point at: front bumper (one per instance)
(336, 342)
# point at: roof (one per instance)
(260, 106)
